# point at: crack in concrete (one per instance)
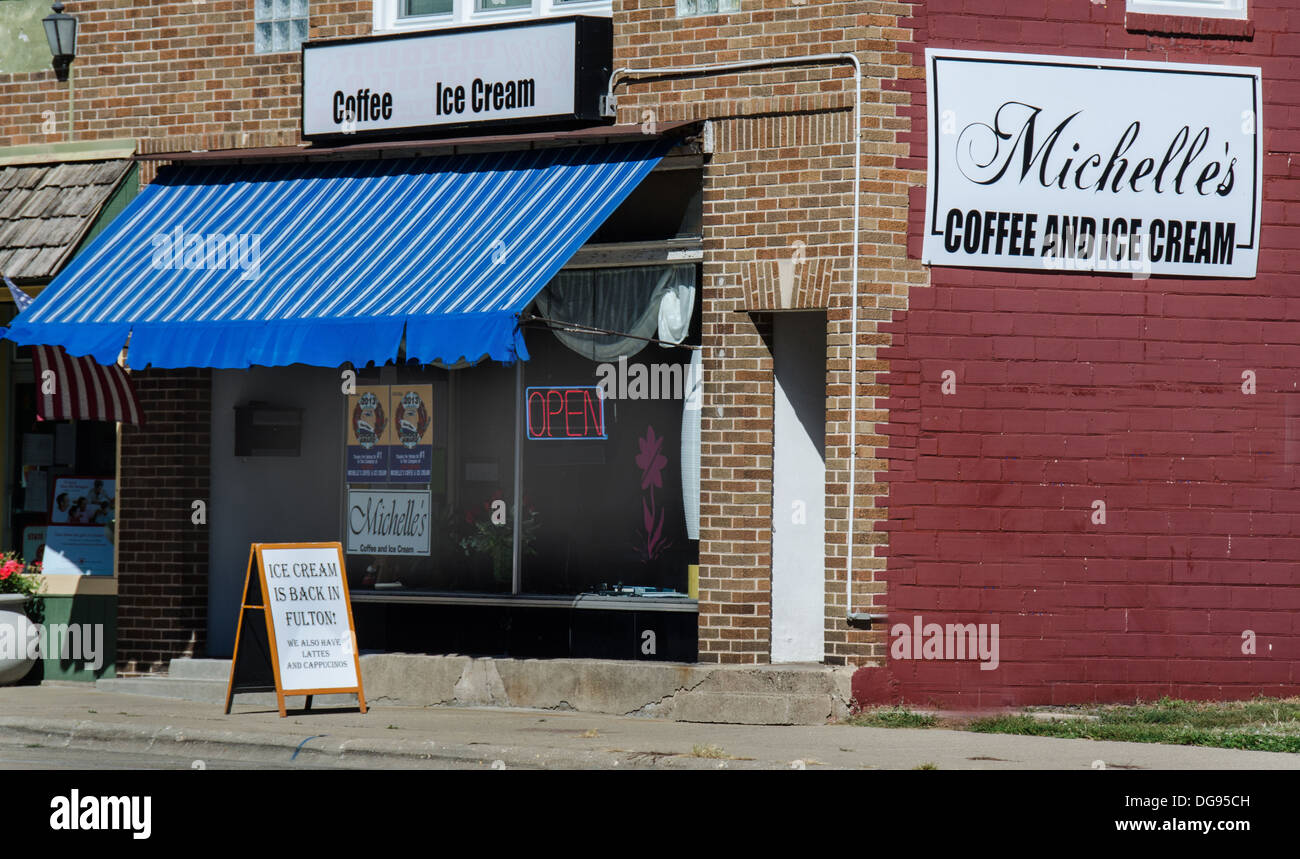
(641, 711)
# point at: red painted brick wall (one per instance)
(1072, 389)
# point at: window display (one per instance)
(601, 418)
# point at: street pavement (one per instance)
(58, 727)
(14, 757)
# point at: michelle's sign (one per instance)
(388, 522)
(1071, 164)
(536, 71)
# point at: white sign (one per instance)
(75, 551)
(382, 522)
(1071, 164)
(449, 78)
(307, 598)
(34, 544)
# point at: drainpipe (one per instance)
(812, 59)
(516, 534)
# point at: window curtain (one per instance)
(691, 444)
(631, 301)
(636, 301)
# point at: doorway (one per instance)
(799, 487)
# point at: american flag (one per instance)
(21, 299)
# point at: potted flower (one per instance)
(491, 534)
(18, 588)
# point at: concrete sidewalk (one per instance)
(71, 717)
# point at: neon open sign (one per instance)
(559, 413)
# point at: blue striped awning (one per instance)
(324, 263)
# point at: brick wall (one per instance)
(162, 587)
(175, 76)
(781, 174)
(183, 76)
(1072, 389)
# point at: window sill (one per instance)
(1187, 25)
(386, 21)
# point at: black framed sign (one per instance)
(1082, 164)
(536, 72)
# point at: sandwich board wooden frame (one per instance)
(248, 669)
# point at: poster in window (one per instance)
(78, 551)
(369, 434)
(388, 522)
(83, 501)
(36, 498)
(79, 538)
(34, 544)
(411, 451)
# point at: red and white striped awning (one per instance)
(82, 389)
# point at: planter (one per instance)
(15, 633)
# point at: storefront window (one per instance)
(61, 489)
(441, 461)
(602, 453)
(396, 15)
(613, 510)
(426, 7)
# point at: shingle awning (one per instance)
(326, 263)
(47, 209)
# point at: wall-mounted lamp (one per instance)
(61, 33)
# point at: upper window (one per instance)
(279, 25)
(1199, 8)
(393, 15)
(706, 7)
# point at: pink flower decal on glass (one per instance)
(652, 462)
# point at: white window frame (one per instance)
(465, 14)
(1235, 9)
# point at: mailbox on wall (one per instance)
(265, 430)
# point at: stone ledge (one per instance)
(730, 694)
(1189, 25)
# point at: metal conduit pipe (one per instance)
(624, 73)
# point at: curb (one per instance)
(235, 747)
(242, 746)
